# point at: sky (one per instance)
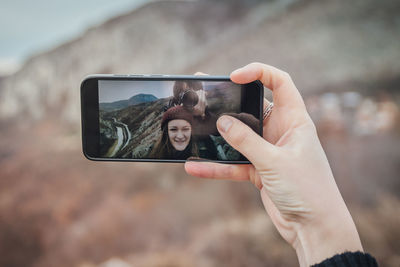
(110, 91)
(28, 27)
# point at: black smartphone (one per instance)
(164, 118)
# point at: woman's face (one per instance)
(179, 132)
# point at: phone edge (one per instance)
(162, 77)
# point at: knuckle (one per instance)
(214, 173)
(227, 171)
(313, 128)
(286, 76)
(274, 155)
(257, 65)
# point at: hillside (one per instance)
(59, 209)
(321, 43)
(134, 100)
(142, 120)
(160, 37)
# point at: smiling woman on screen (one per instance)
(176, 138)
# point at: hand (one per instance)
(290, 168)
(200, 108)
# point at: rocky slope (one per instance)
(321, 43)
(59, 209)
(160, 37)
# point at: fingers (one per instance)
(284, 91)
(218, 170)
(212, 170)
(199, 73)
(246, 141)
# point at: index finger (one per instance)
(213, 170)
(279, 82)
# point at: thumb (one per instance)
(255, 148)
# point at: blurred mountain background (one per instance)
(59, 209)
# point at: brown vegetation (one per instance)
(59, 209)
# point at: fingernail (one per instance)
(224, 123)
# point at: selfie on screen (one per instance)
(166, 119)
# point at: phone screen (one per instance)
(170, 120)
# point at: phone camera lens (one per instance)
(189, 98)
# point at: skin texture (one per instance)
(291, 170)
(179, 132)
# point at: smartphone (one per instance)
(164, 118)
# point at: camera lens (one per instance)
(189, 98)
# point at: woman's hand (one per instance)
(290, 168)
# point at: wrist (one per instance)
(318, 241)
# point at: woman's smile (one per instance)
(179, 132)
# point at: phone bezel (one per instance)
(90, 111)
